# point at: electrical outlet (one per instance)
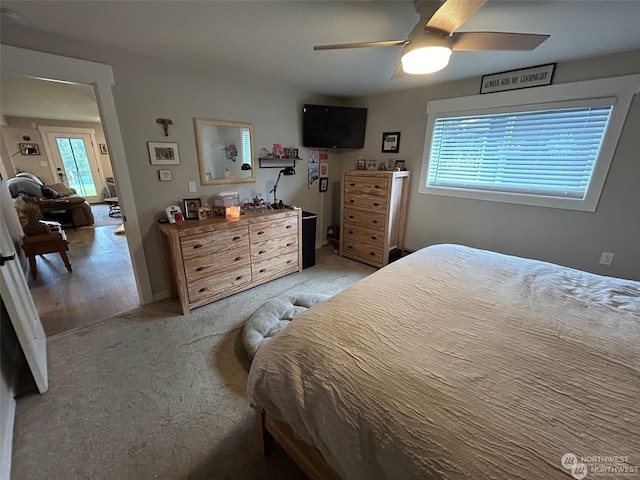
(606, 258)
(192, 187)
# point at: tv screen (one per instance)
(325, 126)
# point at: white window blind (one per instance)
(246, 146)
(550, 152)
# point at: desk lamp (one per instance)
(287, 171)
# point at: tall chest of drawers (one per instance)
(211, 259)
(372, 214)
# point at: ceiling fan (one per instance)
(431, 42)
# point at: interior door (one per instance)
(75, 162)
(17, 298)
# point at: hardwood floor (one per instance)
(101, 284)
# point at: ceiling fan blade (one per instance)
(339, 46)
(398, 73)
(496, 41)
(453, 13)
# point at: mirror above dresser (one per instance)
(225, 151)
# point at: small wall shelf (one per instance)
(272, 162)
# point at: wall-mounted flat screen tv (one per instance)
(325, 126)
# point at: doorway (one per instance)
(69, 70)
(74, 159)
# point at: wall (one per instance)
(146, 89)
(566, 237)
(17, 127)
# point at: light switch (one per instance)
(192, 187)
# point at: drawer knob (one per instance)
(236, 238)
(199, 269)
(372, 254)
(203, 289)
(289, 261)
(352, 201)
(262, 270)
(374, 221)
(377, 186)
(349, 246)
(373, 237)
(376, 204)
(350, 216)
(237, 259)
(197, 245)
(352, 184)
(351, 232)
(261, 232)
(288, 226)
(261, 252)
(239, 277)
(289, 244)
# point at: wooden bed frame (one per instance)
(308, 458)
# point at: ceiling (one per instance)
(274, 39)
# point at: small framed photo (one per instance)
(324, 184)
(164, 175)
(163, 153)
(190, 208)
(29, 149)
(103, 148)
(399, 165)
(372, 165)
(362, 164)
(204, 213)
(390, 142)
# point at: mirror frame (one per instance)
(203, 122)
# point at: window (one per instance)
(246, 146)
(552, 153)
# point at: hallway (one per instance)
(101, 285)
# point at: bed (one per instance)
(458, 363)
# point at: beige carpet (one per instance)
(153, 394)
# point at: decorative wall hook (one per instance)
(165, 122)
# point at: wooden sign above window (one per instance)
(516, 79)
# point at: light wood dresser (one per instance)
(372, 214)
(207, 260)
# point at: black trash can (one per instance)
(308, 239)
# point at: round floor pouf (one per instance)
(272, 316)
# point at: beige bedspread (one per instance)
(455, 363)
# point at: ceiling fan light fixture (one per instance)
(425, 60)
(427, 54)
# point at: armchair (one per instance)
(52, 198)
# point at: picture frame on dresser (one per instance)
(190, 208)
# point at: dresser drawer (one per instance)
(368, 253)
(274, 267)
(217, 284)
(275, 246)
(364, 218)
(203, 244)
(203, 266)
(262, 231)
(366, 185)
(370, 203)
(366, 235)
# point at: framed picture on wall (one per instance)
(391, 142)
(324, 184)
(29, 149)
(163, 153)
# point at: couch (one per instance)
(51, 197)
